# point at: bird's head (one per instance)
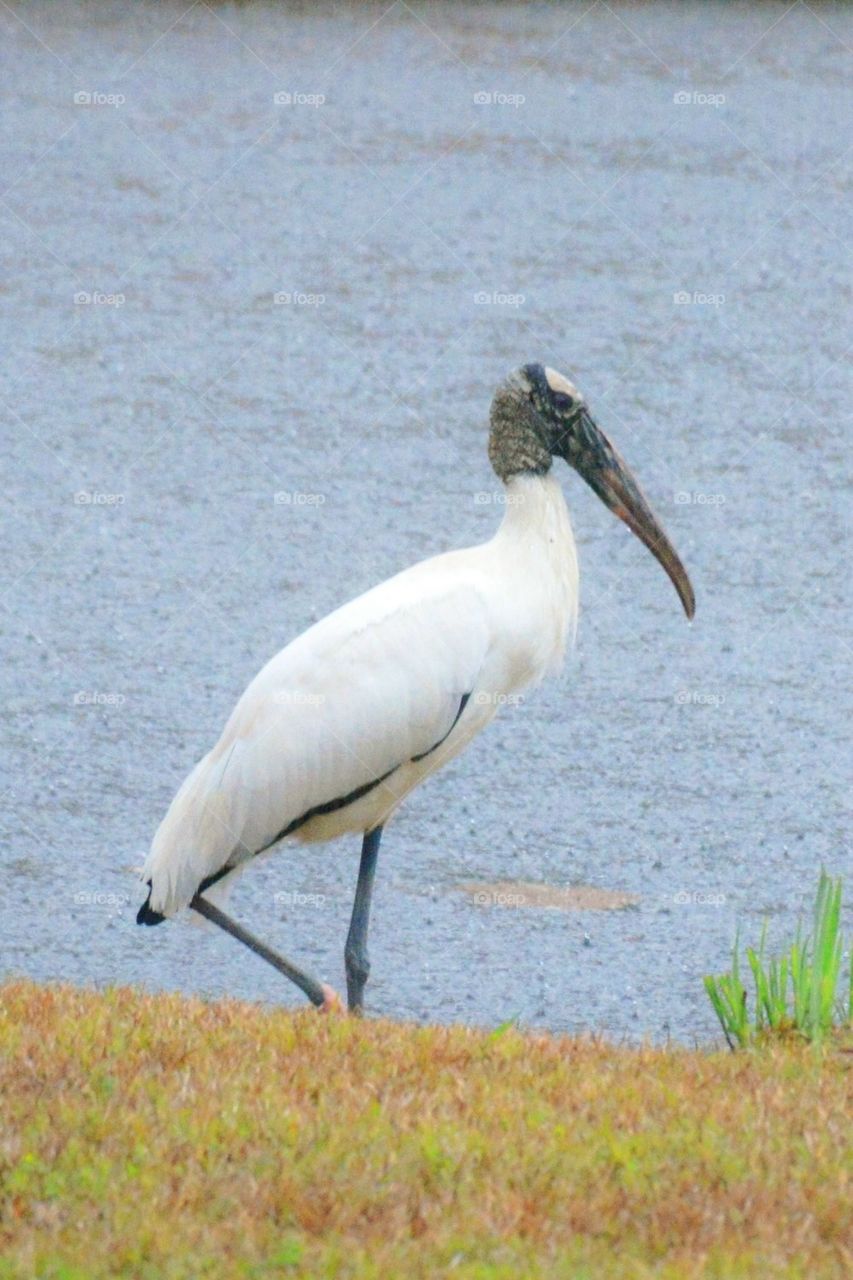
(537, 415)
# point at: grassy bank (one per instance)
(162, 1137)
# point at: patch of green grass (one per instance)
(165, 1138)
(794, 992)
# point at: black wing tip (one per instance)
(145, 914)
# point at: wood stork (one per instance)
(340, 726)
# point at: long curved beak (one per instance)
(595, 459)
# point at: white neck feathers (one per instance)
(536, 537)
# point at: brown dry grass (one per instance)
(162, 1137)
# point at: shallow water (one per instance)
(427, 241)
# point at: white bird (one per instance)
(345, 721)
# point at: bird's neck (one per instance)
(535, 538)
(536, 511)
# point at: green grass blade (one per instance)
(810, 970)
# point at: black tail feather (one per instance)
(145, 914)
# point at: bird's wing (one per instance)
(374, 685)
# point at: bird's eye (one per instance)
(563, 403)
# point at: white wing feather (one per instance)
(362, 692)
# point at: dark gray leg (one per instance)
(320, 995)
(355, 952)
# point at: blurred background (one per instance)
(262, 268)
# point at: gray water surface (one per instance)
(194, 471)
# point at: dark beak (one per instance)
(594, 458)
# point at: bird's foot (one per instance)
(331, 1000)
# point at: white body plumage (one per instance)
(374, 691)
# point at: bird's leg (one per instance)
(319, 993)
(355, 952)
